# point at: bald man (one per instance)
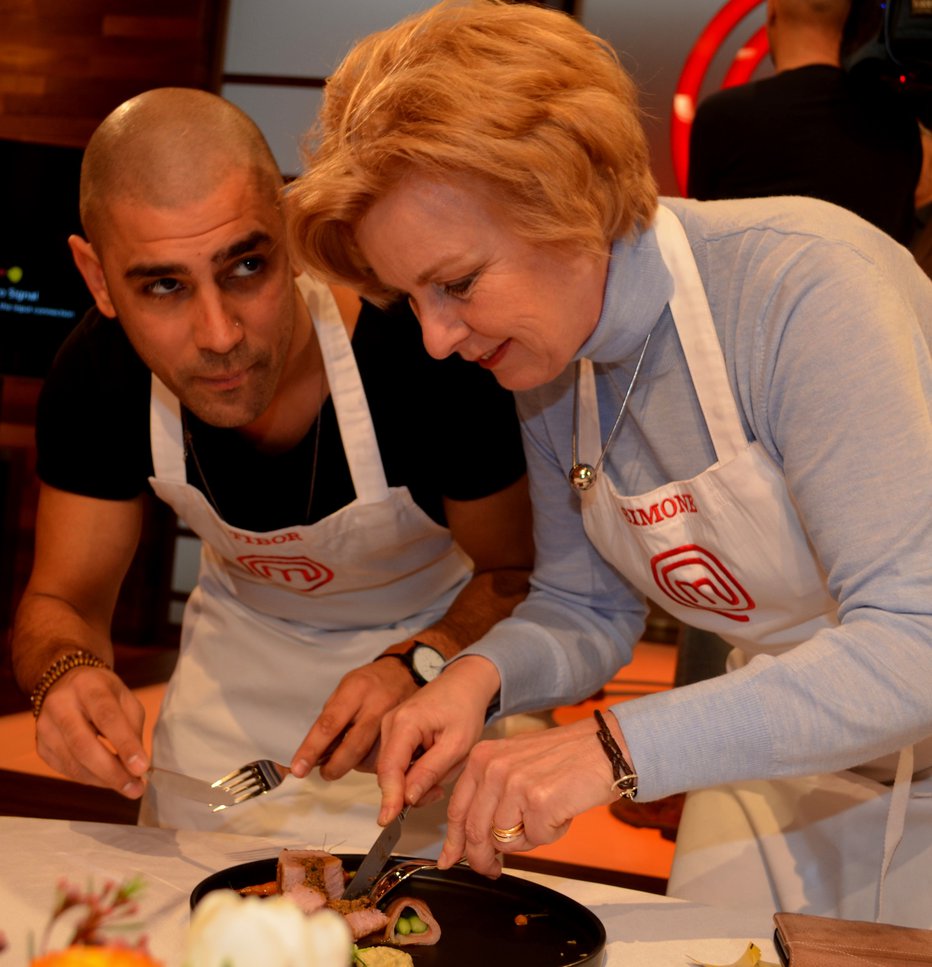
(351, 508)
(811, 129)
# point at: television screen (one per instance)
(42, 294)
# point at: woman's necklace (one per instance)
(582, 475)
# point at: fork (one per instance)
(399, 873)
(261, 776)
(251, 780)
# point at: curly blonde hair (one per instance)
(522, 98)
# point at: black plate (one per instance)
(476, 916)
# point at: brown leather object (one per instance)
(662, 814)
(826, 942)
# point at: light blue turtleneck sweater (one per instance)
(825, 325)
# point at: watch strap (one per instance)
(405, 658)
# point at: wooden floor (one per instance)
(597, 847)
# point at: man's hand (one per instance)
(90, 726)
(347, 730)
(495, 532)
(90, 729)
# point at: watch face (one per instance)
(426, 661)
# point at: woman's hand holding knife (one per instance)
(441, 720)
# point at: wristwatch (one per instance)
(422, 661)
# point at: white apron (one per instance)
(277, 618)
(726, 552)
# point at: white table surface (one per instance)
(643, 930)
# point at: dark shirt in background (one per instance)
(811, 131)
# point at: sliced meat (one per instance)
(316, 869)
(421, 929)
(363, 919)
(307, 898)
(314, 878)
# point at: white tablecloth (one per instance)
(643, 930)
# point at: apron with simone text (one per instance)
(726, 552)
(277, 618)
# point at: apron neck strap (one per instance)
(346, 390)
(166, 434)
(896, 819)
(698, 337)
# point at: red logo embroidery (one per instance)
(296, 573)
(695, 578)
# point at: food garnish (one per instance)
(99, 913)
(94, 957)
(750, 958)
(410, 921)
(381, 957)
(521, 919)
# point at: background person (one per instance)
(346, 499)
(812, 128)
(745, 388)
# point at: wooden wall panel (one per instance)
(65, 64)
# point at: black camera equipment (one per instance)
(893, 40)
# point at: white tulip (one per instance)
(229, 930)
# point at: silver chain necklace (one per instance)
(582, 475)
(188, 441)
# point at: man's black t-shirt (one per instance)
(445, 428)
(815, 131)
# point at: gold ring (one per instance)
(510, 834)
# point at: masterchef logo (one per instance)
(662, 510)
(295, 573)
(695, 578)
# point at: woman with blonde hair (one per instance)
(725, 409)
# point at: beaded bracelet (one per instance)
(626, 779)
(59, 667)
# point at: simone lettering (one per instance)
(661, 511)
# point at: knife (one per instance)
(371, 867)
(189, 788)
(374, 861)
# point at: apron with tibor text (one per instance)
(278, 617)
(726, 552)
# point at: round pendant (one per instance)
(582, 476)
